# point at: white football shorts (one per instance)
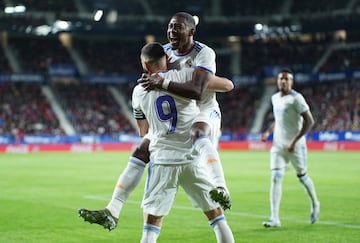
(163, 183)
(280, 157)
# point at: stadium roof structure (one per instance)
(217, 18)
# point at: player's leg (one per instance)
(218, 223)
(299, 161)
(159, 195)
(151, 228)
(310, 189)
(196, 184)
(130, 178)
(201, 134)
(278, 166)
(205, 135)
(126, 184)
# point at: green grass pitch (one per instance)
(40, 195)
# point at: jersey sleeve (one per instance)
(206, 60)
(300, 104)
(136, 98)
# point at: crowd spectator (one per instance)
(91, 109)
(24, 110)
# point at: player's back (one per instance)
(170, 118)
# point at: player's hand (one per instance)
(291, 147)
(143, 80)
(264, 136)
(150, 82)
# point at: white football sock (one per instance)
(150, 233)
(276, 193)
(212, 161)
(222, 230)
(126, 184)
(310, 189)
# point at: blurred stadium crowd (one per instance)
(252, 40)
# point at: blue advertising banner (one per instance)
(62, 70)
(22, 77)
(345, 136)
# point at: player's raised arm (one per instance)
(192, 89)
(220, 84)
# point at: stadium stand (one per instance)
(25, 110)
(94, 56)
(110, 56)
(35, 55)
(91, 109)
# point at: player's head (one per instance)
(180, 31)
(153, 57)
(285, 81)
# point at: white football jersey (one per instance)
(288, 120)
(200, 56)
(170, 118)
(179, 76)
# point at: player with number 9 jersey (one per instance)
(170, 142)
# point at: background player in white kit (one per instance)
(182, 52)
(172, 163)
(293, 120)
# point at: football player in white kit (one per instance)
(182, 52)
(293, 120)
(172, 163)
(131, 176)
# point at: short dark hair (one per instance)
(153, 51)
(286, 70)
(188, 18)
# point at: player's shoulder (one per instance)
(138, 90)
(275, 95)
(201, 47)
(296, 94)
(167, 47)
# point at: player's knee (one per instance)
(277, 176)
(153, 220)
(212, 214)
(300, 173)
(199, 129)
(142, 151)
(302, 177)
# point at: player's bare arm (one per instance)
(216, 83)
(192, 89)
(220, 84)
(142, 126)
(308, 122)
(266, 134)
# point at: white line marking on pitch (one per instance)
(354, 226)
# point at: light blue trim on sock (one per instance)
(152, 228)
(136, 161)
(216, 220)
(303, 178)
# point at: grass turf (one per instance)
(41, 192)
